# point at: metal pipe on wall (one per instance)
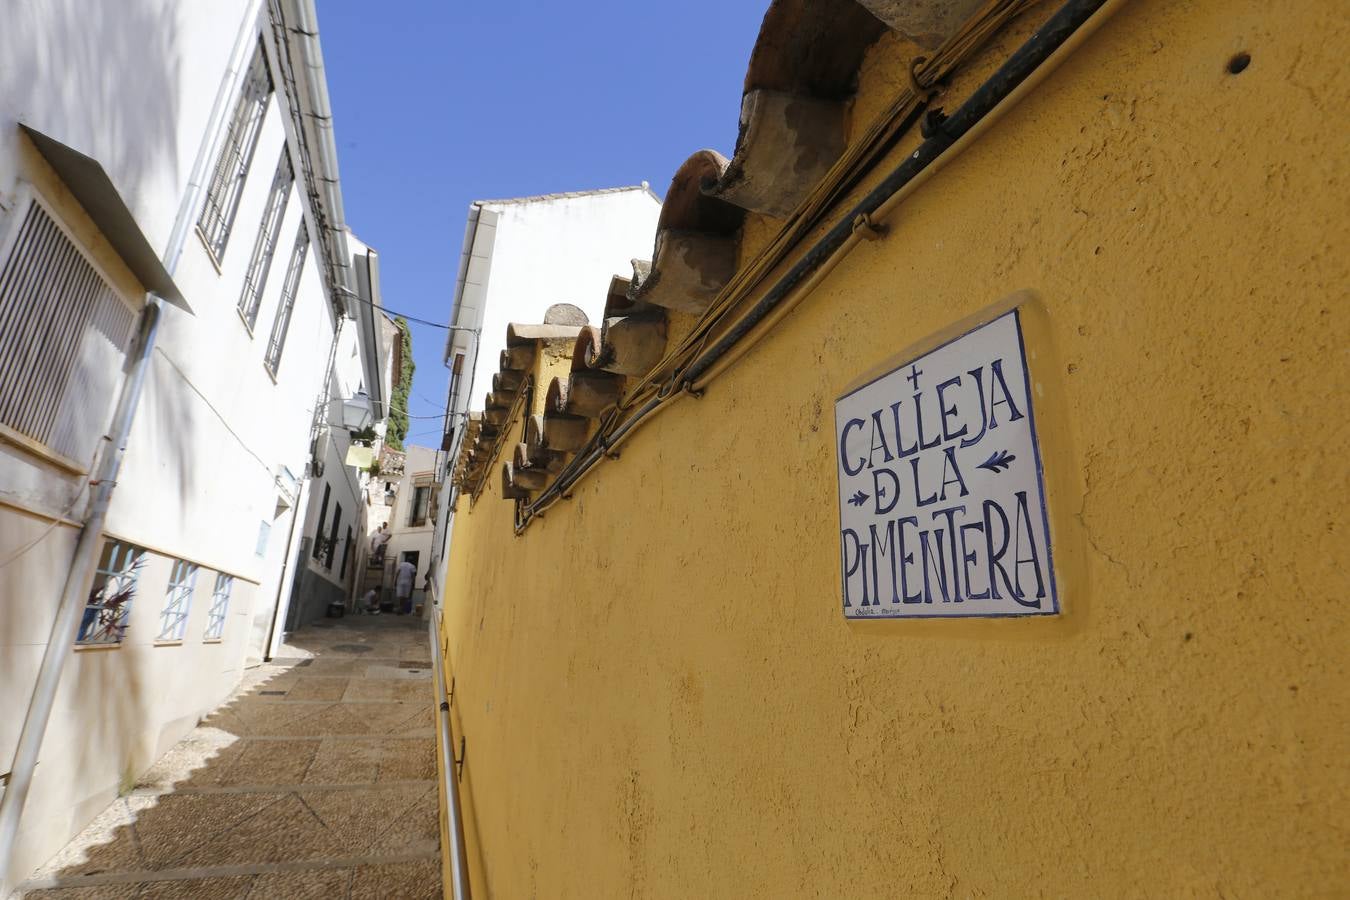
(1065, 30)
(316, 85)
(454, 816)
(66, 625)
(244, 43)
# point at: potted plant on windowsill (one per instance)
(105, 613)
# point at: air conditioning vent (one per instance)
(64, 335)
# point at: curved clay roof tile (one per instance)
(696, 240)
(794, 111)
(518, 333)
(633, 345)
(586, 351)
(564, 434)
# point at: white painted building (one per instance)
(520, 257)
(414, 505)
(172, 248)
(332, 532)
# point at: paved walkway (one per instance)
(316, 780)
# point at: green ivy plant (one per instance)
(398, 412)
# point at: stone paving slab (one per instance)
(316, 780)
(261, 717)
(415, 879)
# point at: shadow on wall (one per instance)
(170, 410)
(331, 747)
(103, 78)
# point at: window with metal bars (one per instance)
(177, 601)
(332, 537)
(220, 604)
(288, 291)
(417, 510)
(236, 155)
(109, 603)
(346, 552)
(264, 247)
(323, 517)
(64, 336)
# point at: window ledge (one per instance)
(24, 442)
(206, 245)
(176, 642)
(80, 648)
(213, 640)
(244, 320)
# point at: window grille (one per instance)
(417, 512)
(332, 537)
(323, 516)
(288, 292)
(64, 336)
(255, 279)
(220, 604)
(346, 551)
(241, 139)
(178, 601)
(109, 604)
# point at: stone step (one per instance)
(250, 718)
(406, 875)
(202, 835)
(317, 779)
(211, 758)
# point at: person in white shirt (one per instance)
(403, 586)
(378, 541)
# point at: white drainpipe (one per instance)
(244, 42)
(61, 643)
(65, 627)
(316, 90)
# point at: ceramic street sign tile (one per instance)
(941, 499)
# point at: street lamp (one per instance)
(354, 414)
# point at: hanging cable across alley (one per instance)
(407, 316)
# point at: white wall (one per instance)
(561, 249)
(519, 258)
(418, 466)
(132, 84)
(129, 83)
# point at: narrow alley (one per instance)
(318, 779)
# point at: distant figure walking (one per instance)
(378, 541)
(403, 586)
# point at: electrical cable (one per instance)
(409, 317)
(275, 478)
(57, 520)
(1063, 32)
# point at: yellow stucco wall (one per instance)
(661, 696)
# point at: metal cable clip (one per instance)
(864, 227)
(919, 90)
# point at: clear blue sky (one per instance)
(441, 102)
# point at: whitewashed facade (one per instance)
(585, 238)
(412, 518)
(195, 113)
(332, 534)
